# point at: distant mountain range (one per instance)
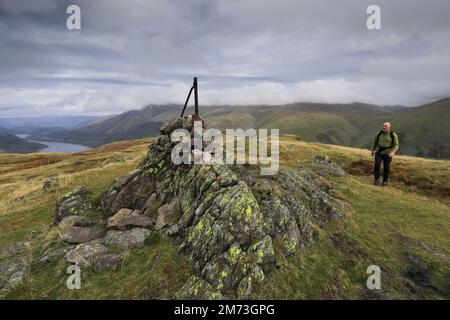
(423, 130)
(43, 125)
(16, 123)
(128, 125)
(394, 108)
(330, 123)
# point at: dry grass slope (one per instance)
(384, 226)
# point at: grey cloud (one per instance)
(275, 50)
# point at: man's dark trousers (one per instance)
(386, 166)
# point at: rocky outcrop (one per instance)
(12, 272)
(291, 202)
(14, 264)
(197, 288)
(50, 184)
(228, 216)
(126, 229)
(72, 203)
(226, 219)
(327, 167)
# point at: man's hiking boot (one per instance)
(384, 184)
(376, 182)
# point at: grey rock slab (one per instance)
(83, 255)
(82, 234)
(133, 238)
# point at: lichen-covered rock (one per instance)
(83, 254)
(72, 203)
(216, 209)
(197, 289)
(247, 284)
(262, 252)
(225, 272)
(12, 272)
(50, 184)
(233, 215)
(291, 239)
(126, 219)
(133, 238)
(170, 126)
(327, 167)
(291, 202)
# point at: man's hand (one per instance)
(372, 152)
(391, 155)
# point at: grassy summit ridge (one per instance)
(402, 228)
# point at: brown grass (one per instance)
(425, 176)
(23, 175)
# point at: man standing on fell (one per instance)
(384, 148)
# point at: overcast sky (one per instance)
(132, 53)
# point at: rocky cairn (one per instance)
(226, 219)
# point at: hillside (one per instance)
(13, 144)
(36, 131)
(3, 130)
(394, 108)
(423, 131)
(328, 123)
(127, 125)
(402, 228)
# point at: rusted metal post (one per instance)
(195, 88)
(196, 97)
(187, 101)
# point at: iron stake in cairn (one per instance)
(195, 88)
